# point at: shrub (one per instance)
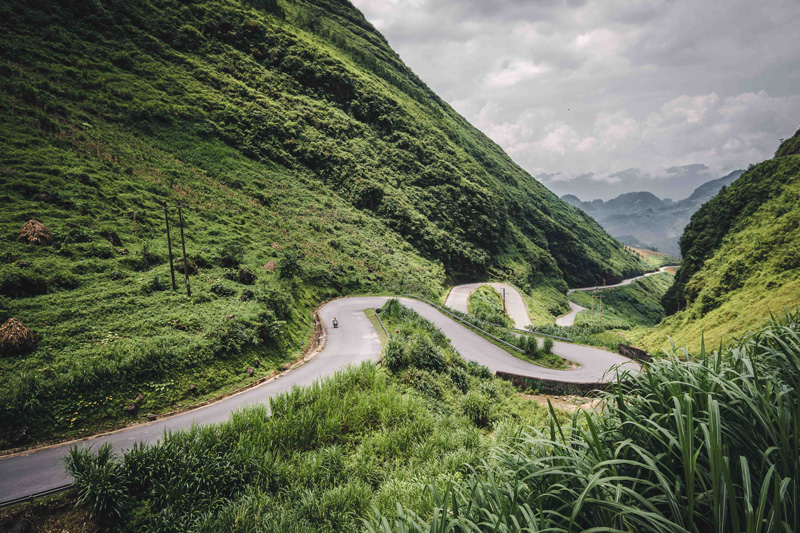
(459, 378)
(100, 480)
(191, 267)
(394, 355)
(548, 345)
(156, 284)
(477, 407)
(221, 290)
(289, 266)
(245, 276)
(478, 370)
(230, 255)
(18, 284)
(531, 346)
(424, 354)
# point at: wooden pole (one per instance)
(183, 247)
(169, 247)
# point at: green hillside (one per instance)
(790, 146)
(310, 159)
(741, 258)
(637, 304)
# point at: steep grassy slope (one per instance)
(741, 258)
(790, 146)
(637, 304)
(299, 142)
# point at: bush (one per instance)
(221, 290)
(394, 355)
(478, 370)
(18, 284)
(289, 266)
(459, 378)
(100, 480)
(531, 346)
(424, 354)
(548, 345)
(230, 255)
(156, 284)
(477, 407)
(245, 276)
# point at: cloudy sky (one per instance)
(597, 98)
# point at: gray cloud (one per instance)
(572, 88)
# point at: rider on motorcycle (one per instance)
(335, 322)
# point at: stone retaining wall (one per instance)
(551, 387)
(631, 352)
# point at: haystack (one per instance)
(34, 232)
(16, 338)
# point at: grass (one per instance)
(486, 304)
(364, 439)
(375, 321)
(636, 304)
(697, 445)
(653, 260)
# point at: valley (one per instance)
(193, 192)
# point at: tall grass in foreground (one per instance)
(708, 444)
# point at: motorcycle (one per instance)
(335, 323)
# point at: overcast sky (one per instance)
(603, 97)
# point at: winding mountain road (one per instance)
(569, 318)
(29, 473)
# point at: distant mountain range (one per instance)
(644, 220)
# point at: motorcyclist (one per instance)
(335, 322)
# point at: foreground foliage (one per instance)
(706, 444)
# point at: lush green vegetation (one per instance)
(366, 438)
(287, 122)
(485, 303)
(707, 444)
(790, 146)
(654, 260)
(637, 304)
(741, 258)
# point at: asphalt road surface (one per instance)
(621, 283)
(354, 341)
(569, 318)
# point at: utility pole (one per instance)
(169, 247)
(183, 247)
(600, 302)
